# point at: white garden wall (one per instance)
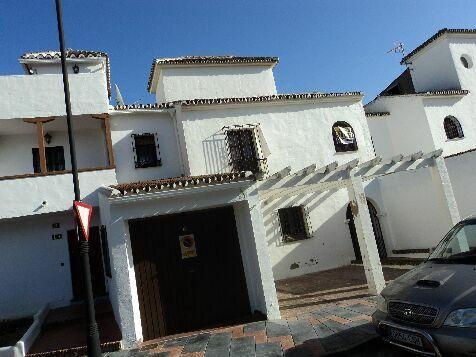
(35, 268)
(462, 171)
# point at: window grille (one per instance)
(293, 223)
(146, 150)
(453, 128)
(242, 153)
(105, 251)
(344, 137)
(54, 159)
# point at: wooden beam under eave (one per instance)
(107, 133)
(39, 120)
(41, 146)
(100, 116)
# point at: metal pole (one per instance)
(94, 347)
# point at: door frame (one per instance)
(376, 227)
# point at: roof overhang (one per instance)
(156, 189)
(442, 34)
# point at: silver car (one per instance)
(431, 310)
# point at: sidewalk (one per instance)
(328, 329)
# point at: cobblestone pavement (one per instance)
(327, 329)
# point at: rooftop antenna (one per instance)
(398, 48)
(119, 100)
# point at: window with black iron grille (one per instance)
(146, 150)
(242, 150)
(105, 251)
(344, 137)
(453, 128)
(293, 223)
(54, 159)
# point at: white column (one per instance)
(262, 257)
(123, 290)
(365, 235)
(440, 171)
(441, 176)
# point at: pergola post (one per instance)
(440, 171)
(365, 235)
(441, 176)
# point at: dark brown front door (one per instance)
(95, 262)
(189, 271)
(382, 251)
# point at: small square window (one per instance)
(146, 150)
(293, 223)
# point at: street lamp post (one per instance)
(94, 347)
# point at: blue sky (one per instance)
(323, 45)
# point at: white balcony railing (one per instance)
(38, 194)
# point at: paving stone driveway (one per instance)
(328, 329)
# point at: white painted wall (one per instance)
(437, 109)
(31, 264)
(29, 96)
(329, 246)
(122, 126)
(433, 68)
(24, 197)
(404, 131)
(206, 81)
(298, 134)
(122, 287)
(414, 208)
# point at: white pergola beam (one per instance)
(306, 171)
(432, 154)
(417, 155)
(280, 174)
(347, 166)
(370, 163)
(327, 168)
(396, 158)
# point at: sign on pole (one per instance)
(83, 215)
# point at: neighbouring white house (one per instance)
(430, 106)
(207, 196)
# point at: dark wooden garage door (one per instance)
(179, 293)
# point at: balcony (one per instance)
(35, 194)
(35, 167)
(32, 96)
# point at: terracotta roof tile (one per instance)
(207, 60)
(433, 93)
(180, 182)
(70, 53)
(257, 99)
(433, 38)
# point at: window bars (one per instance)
(344, 137)
(293, 223)
(453, 128)
(245, 144)
(146, 150)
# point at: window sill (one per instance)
(346, 152)
(291, 240)
(455, 139)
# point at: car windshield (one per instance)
(459, 245)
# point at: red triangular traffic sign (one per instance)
(83, 216)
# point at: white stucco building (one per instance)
(222, 186)
(431, 105)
